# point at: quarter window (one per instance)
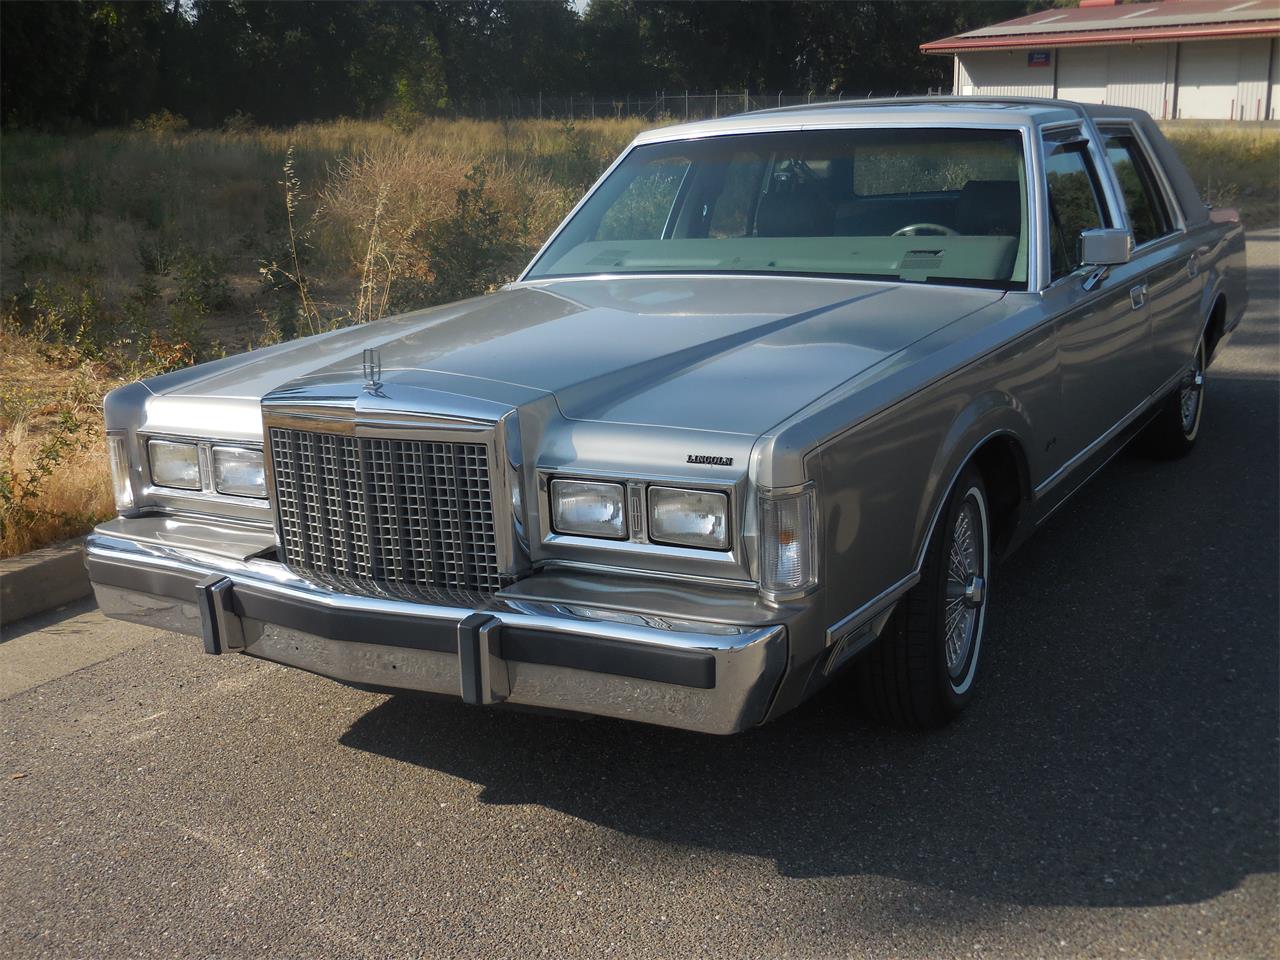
(1075, 201)
(1148, 214)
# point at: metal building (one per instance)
(1192, 59)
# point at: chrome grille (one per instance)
(385, 514)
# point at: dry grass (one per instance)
(125, 253)
(52, 457)
(1234, 165)
(154, 245)
(115, 206)
(72, 499)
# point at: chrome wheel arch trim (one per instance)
(880, 603)
(953, 478)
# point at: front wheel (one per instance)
(921, 671)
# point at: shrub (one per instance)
(239, 122)
(202, 280)
(163, 123)
(28, 470)
(463, 255)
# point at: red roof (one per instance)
(1122, 23)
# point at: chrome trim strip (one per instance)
(877, 605)
(942, 501)
(544, 282)
(855, 641)
(646, 574)
(348, 421)
(1109, 434)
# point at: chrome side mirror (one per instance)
(1104, 247)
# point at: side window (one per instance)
(640, 212)
(1075, 201)
(1148, 213)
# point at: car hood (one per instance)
(725, 354)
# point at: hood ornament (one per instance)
(372, 361)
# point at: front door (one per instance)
(1164, 251)
(1102, 329)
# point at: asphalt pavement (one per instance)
(1113, 791)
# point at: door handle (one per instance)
(1193, 264)
(1138, 296)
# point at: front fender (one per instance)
(884, 480)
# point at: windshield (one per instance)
(929, 205)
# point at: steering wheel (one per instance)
(924, 230)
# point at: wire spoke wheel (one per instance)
(921, 670)
(965, 587)
(1191, 395)
(1172, 431)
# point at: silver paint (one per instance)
(875, 393)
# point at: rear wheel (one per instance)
(921, 671)
(1173, 431)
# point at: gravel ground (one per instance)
(1113, 791)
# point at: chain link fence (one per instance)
(659, 105)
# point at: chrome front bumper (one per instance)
(713, 677)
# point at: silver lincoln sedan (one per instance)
(770, 404)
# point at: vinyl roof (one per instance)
(1122, 23)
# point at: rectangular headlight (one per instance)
(174, 464)
(238, 472)
(588, 509)
(689, 518)
(788, 544)
(118, 457)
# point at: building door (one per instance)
(1208, 75)
(1082, 74)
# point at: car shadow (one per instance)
(1122, 751)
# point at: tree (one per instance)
(108, 62)
(420, 88)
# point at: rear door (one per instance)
(1102, 321)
